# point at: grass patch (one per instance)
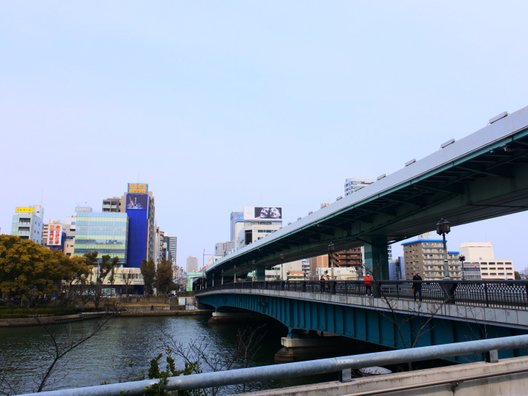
(9, 313)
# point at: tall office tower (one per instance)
(28, 222)
(113, 204)
(259, 221)
(353, 184)
(105, 233)
(224, 248)
(426, 256)
(172, 248)
(141, 228)
(151, 222)
(161, 246)
(237, 224)
(192, 264)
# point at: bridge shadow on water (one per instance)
(268, 333)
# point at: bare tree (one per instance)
(210, 359)
(59, 350)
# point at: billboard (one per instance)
(25, 209)
(54, 235)
(137, 188)
(263, 213)
(136, 202)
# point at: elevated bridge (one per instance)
(481, 176)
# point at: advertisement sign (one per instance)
(25, 209)
(137, 202)
(263, 213)
(54, 235)
(137, 188)
(268, 212)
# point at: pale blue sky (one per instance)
(221, 105)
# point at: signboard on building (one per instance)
(136, 202)
(54, 235)
(263, 213)
(137, 188)
(25, 209)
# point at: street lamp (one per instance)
(331, 248)
(462, 259)
(442, 228)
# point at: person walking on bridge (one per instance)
(367, 281)
(417, 286)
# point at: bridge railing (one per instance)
(492, 294)
(342, 365)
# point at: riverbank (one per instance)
(61, 319)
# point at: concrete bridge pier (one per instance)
(301, 345)
(377, 258)
(260, 274)
(235, 317)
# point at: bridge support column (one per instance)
(299, 345)
(377, 258)
(260, 274)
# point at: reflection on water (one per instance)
(120, 352)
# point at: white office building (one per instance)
(28, 223)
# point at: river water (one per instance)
(121, 351)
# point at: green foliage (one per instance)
(164, 282)
(155, 371)
(31, 273)
(148, 270)
(6, 313)
(104, 268)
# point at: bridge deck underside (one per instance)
(389, 329)
(488, 184)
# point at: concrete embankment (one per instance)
(60, 319)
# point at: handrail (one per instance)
(492, 294)
(298, 369)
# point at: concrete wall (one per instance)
(506, 377)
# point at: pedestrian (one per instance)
(322, 282)
(417, 286)
(367, 281)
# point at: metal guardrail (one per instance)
(492, 294)
(298, 369)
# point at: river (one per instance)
(121, 351)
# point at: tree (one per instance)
(164, 282)
(30, 273)
(105, 267)
(148, 270)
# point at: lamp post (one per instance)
(462, 259)
(442, 228)
(331, 248)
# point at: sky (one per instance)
(222, 105)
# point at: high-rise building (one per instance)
(105, 233)
(141, 228)
(258, 222)
(224, 248)
(28, 223)
(192, 264)
(426, 256)
(172, 248)
(353, 184)
(113, 204)
(237, 224)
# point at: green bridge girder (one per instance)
(388, 329)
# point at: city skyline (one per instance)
(216, 110)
